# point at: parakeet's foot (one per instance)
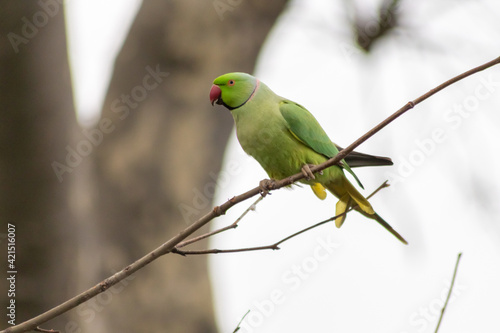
(306, 171)
(265, 185)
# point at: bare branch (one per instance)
(168, 246)
(274, 246)
(231, 226)
(449, 292)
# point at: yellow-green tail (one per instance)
(350, 197)
(347, 195)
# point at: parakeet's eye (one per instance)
(230, 83)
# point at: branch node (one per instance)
(177, 251)
(218, 211)
(104, 285)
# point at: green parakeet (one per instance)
(285, 139)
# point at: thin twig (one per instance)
(39, 329)
(274, 246)
(222, 209)
(238, 327)
(218, 231)
(449, 292)
(384, 185)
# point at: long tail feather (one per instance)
(356, 159)
(349, 197)
(386, 225)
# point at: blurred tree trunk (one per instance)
(161, 150)
(36, 123)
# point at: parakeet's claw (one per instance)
(306, 171)
(265, 185)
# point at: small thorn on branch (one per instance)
(39, 329)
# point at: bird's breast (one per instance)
(270, 142)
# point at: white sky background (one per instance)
(96, 31)
(445, 182)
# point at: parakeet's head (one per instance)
(233, 89)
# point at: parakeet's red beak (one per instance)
(215, 95)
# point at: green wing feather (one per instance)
(306, 128)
